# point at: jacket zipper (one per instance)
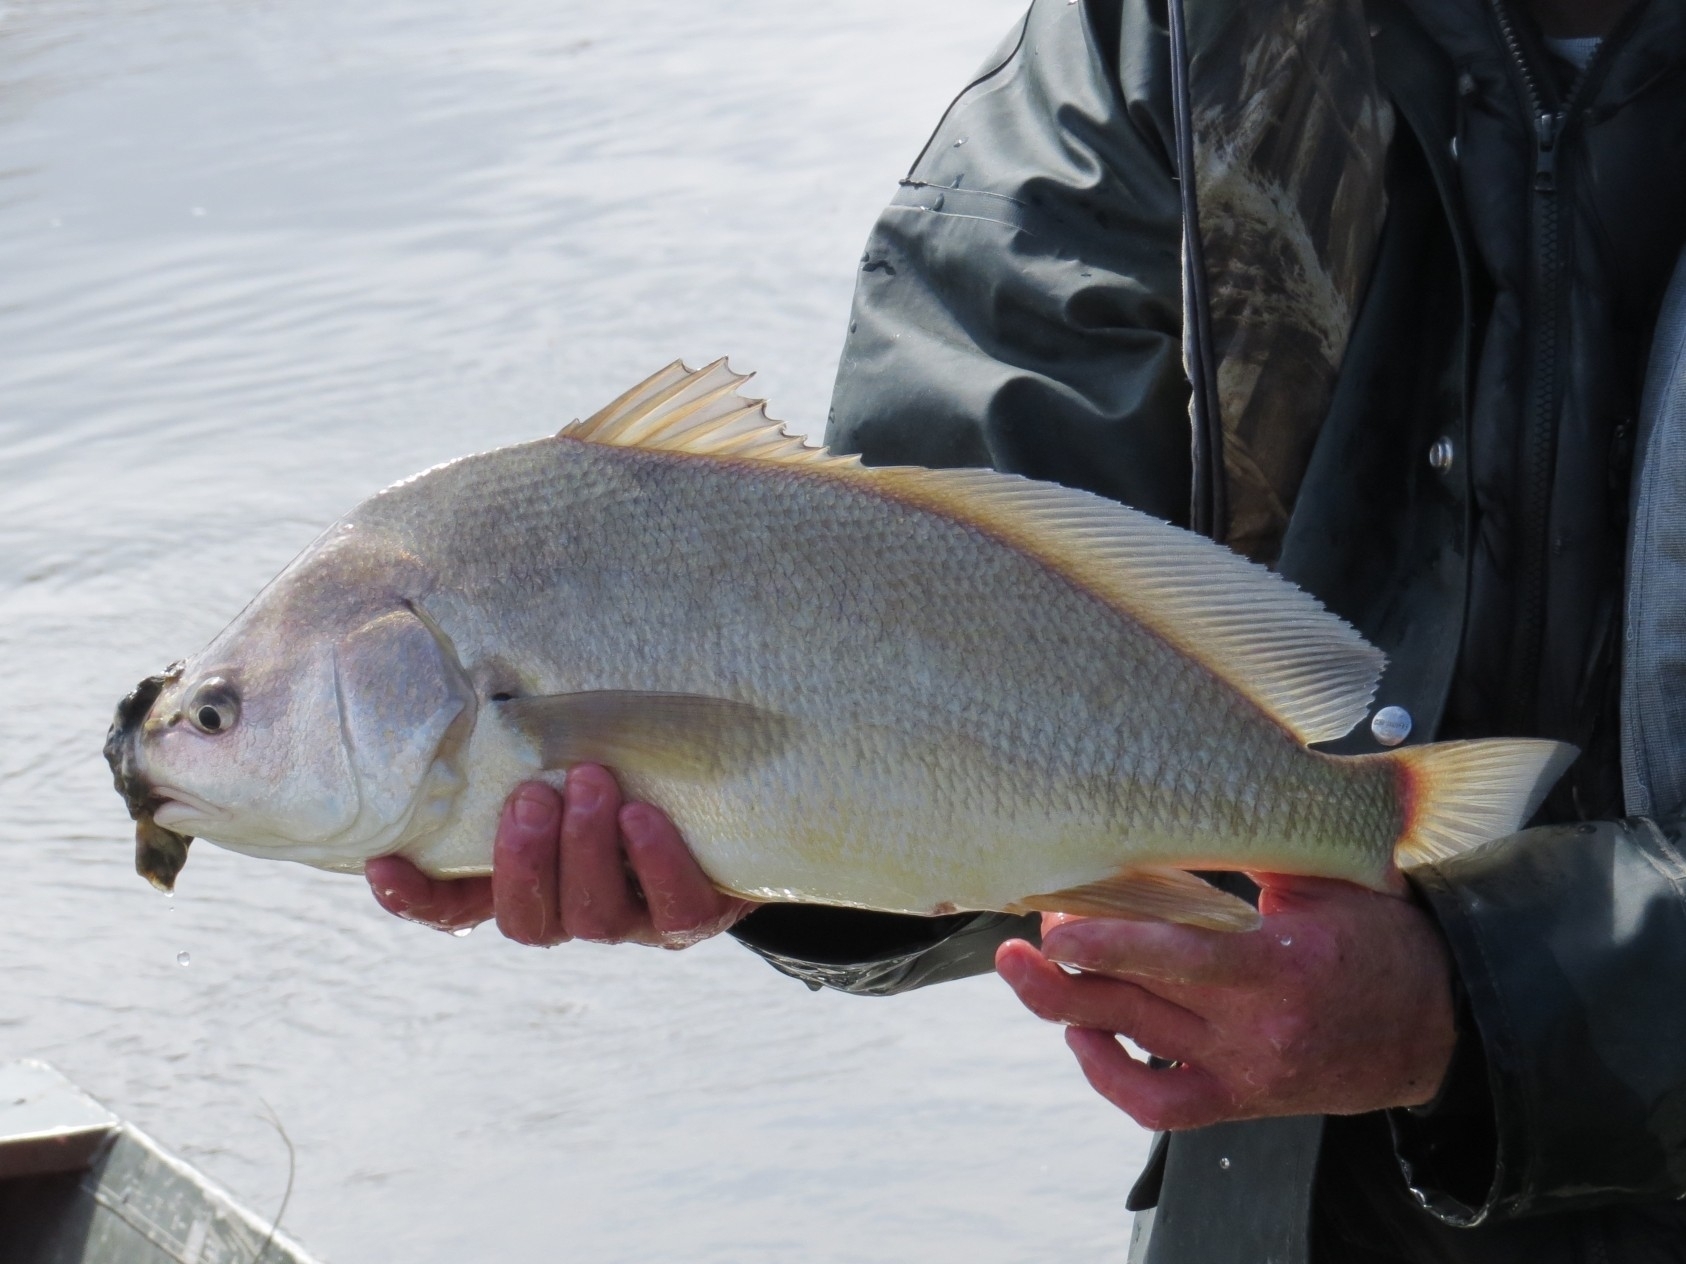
(1548, 265)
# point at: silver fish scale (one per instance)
(946, 682)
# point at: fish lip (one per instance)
(160, 852)
(121, 738)
(170, 806)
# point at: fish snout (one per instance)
(160, 853)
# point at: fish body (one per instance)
(899, 689)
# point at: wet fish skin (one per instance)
(898, 689)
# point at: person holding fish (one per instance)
(1436, 370)
(1475, 1066)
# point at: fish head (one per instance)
(322, 726)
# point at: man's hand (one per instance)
(576, 865)
(1340, 1003)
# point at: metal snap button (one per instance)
(1391, 725)
(1440, 454)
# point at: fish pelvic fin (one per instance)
(699, 411)
(1149, 893)
(1459, 795)
(690, 736)
(1269, 641)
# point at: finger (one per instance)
(1157, 1025)
(597, 898)
(1164, 1098)
(525, 860)
(683, 904)
(402, 889)
(1161, 951)
(1051, 920)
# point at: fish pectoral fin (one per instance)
(680, 734)
(1150, 893)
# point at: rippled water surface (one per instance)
(259, 259)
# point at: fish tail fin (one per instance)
(1458, 795)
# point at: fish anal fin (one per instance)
(1150, 894)
(693, 736)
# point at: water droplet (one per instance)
(1224, 1164)
(960, 142)
(1287, 941)
(183, 959)
(462, 931)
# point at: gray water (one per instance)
(259, 259)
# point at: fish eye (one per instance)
(213, 706)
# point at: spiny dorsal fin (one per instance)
(1268, 640)
(699, 411)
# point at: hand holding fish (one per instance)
(1340, 1003)
(578, 865)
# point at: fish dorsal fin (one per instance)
(1268, 640)
(701, 412)
(1274, 643)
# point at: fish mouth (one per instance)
(160, 852)
(171, 807)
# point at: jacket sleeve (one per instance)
(1018, 303)
(1017, 306)
(877, 954)
(1570, 945)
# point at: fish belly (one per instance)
(927, 833)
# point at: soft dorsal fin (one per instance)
(1267, 639)
(1270, 641)
(698, 411)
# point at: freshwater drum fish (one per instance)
(891, 688)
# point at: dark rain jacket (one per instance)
(1437, 259)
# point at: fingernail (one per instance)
(533, 809)
(583, 795)
(1010, 968)
(1068, 947)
